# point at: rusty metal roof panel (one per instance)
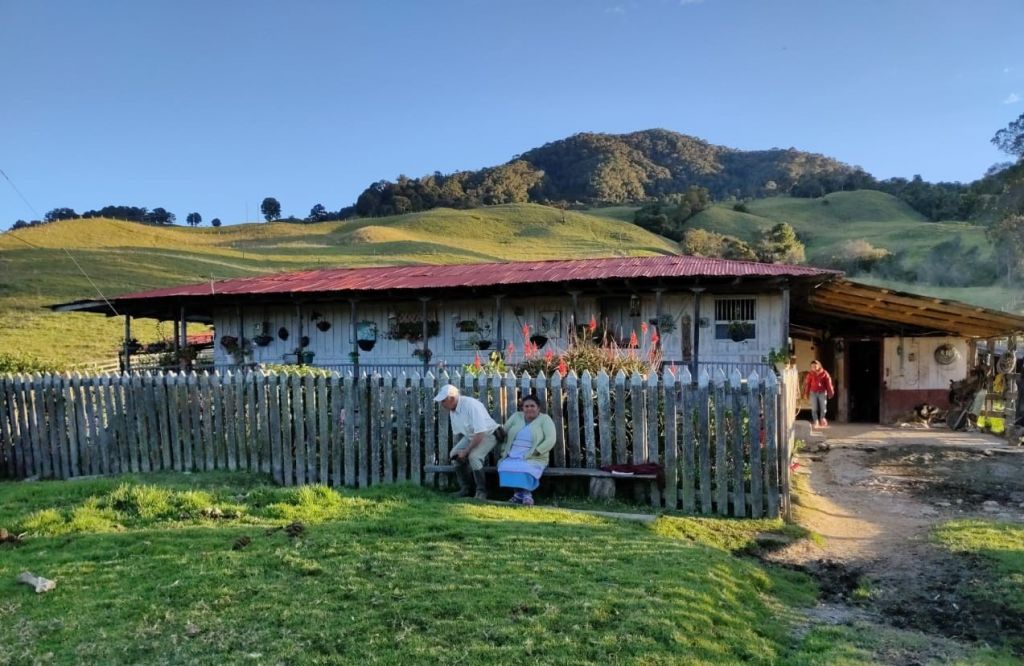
(383, 278)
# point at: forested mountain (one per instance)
(593, 169)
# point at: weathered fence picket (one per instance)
(718, 441)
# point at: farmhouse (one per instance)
(886, 350)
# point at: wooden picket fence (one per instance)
(721, 442)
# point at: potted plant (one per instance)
(778, 359)
(353, 356)
(739, 331)
(422, 354)
(480, 342)
(262, 340)
(666, 324)
(539, 340)
(366, 334)
(304, 356)
(323, 325)
(239, 348)
(481, 335)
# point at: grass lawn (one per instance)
(147, 572)
(997, 548)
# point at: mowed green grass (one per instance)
(999, 549)
(402, 575)
(123, 257)
(393, 575)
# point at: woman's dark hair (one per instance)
(533, 397)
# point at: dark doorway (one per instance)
(864, 360)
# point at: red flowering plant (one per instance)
(589, 351)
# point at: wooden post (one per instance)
(738, 391)
(668, 395)
(657, 313)
(756, 443)
(704, 440)
(499, 337)
(127, 343)
(355, 343)
(653, 455)
(695, 364)
(771, 459)
(575, 294)
(573, 401)
(426, 340)
(721, 449)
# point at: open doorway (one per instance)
(864, 380)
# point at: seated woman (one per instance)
(530, 436)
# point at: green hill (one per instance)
(879, 218)
(122, 257)
(613, 169)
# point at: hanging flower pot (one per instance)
(366, 334)
(323, 325)
(539, 340)
(304, 341)
(263, 340)
(483, 344)
(282, 333)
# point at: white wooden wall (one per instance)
(916, 368)
(769, 332)
(333, 346)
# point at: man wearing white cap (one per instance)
(474, 430)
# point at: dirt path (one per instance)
(874, 494)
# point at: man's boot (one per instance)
(464, 479)
(481, 484)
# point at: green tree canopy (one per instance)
(271, 209)
(780, 245)
(1010, 139)
(194, 219)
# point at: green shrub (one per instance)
(24, 363)
(144, 502)
(315, 503)
(45, 522)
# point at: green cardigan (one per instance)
(542, 430)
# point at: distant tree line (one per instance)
(159, 216)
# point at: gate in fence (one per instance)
(723, 443)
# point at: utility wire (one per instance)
(75, 261)
(13, 187)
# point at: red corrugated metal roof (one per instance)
(480, 275)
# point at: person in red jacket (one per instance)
(818, 387)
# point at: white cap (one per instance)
(446, 391)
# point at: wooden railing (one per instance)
(721, 443)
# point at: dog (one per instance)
(920, 415)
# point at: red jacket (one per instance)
(818, 382)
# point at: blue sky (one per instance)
(210, 106)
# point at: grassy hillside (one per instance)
(879, 218)
(121, 257)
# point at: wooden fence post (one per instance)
(771, 433)
(704, 438)
(668, 398)
(756, 442)
(738, 391)
(721, 448)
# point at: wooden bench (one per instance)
(602, 483)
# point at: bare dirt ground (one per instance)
(874, 493)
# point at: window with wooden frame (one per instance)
(735, 319)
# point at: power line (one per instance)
(66, 251)
(13, 187)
